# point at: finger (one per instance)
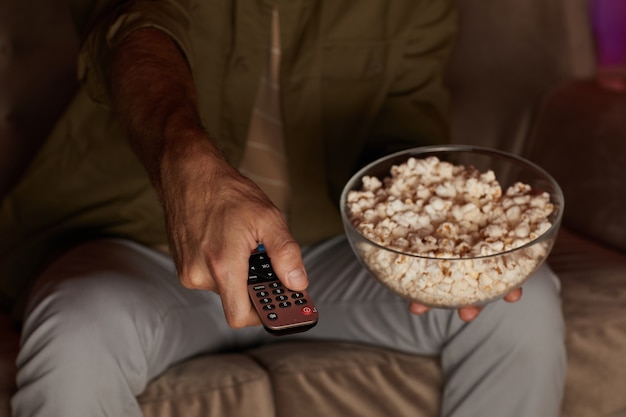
(193, 272)
(238, 309)
(469, 313)
(231, 273)
(513, 296)
(418, 309)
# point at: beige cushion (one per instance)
(594, 296)
(213, 385)
(341, 379)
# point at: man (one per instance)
(345, 82)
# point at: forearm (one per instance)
(154, 97)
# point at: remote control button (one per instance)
(258, 287)
(297, 295)
(301, 301)
(261, 271)
(258, 255)
(262, 294)
(275, 284)
(278, 291)
(284, 304)
(272, 316)
(265, 300)
(269, 307)
(282, 298)
(307, 311)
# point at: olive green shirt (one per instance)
(359, 79)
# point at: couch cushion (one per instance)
(212, 385)
(312, 379)
(594, 302)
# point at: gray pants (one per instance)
(110, 315)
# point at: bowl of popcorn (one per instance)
(452, 226)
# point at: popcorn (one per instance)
(453, 219)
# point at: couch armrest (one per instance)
(580, 138)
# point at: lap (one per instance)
(126, 279)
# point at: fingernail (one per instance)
(297, 278)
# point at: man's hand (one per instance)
(214, 215)
(467, 313)
(215, 218)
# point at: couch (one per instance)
(522, 81)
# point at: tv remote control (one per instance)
(281, 310)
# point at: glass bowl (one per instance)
(496, 261)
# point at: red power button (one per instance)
(307, 311)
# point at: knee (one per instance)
(80, 335)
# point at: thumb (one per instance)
(286, 257)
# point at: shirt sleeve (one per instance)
(105, 24)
